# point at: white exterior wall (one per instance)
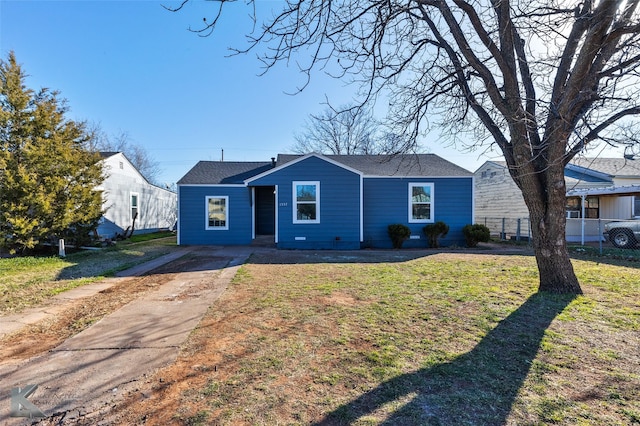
(574, 230)
(625, 181)
(496, 194)
(616, 207)
(623, 206)
(157, 207)
(497, 197)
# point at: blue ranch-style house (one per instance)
(319, 201)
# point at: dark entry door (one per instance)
(265, 210)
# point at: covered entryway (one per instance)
(265, 211)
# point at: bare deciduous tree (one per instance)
(543, 80)
(138, 155)
(346, 131)
(338, 132)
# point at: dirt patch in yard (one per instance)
(340, 299)
(76, 316)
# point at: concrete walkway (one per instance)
(12, 323)
(84, 376)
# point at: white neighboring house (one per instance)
(127, 193)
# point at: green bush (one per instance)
(475, 234)
(398, 234)
(433, 231)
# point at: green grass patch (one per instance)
(606, 253)
(28, 281)
(139, 238)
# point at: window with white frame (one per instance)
(420, 202)
(636, 206)
(306, 202)
(217, 213)
(134, 205)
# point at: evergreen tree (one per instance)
(48, 182)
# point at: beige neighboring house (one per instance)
(496, 194)
(620, 199)
(128, 194)
(598, 190)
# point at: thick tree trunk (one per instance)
(544, 191)
(550, 247)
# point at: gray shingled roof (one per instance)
(572, 176)
(429, 165)
(223, 172)
(236, 172)
(611, 166)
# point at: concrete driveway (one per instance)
(90, 371)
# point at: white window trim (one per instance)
(410, 209)
(131, 195)
(295, 201)
(206, 213)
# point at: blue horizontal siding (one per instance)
(386, 201)
(339, 225)
(192, 216)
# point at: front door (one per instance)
(265, 210)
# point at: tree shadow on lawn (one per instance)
(477, 388)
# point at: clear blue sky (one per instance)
(134, 67)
